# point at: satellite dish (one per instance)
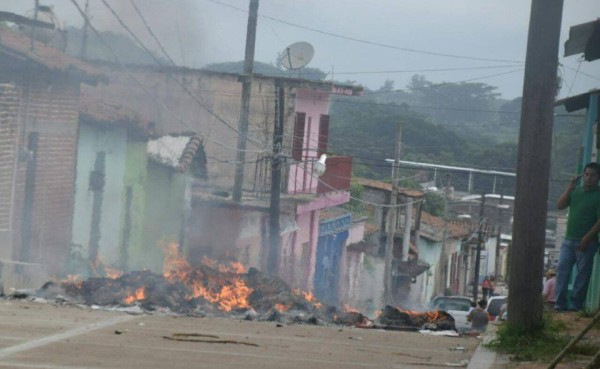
(297, 55)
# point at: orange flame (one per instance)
(229, 297)
(232, 292)
(139, 294)
(100, 268)
(350, 309)
(430, 316)
(282, 307)
(308, 296)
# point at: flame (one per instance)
(100, 268)
(228, 297)
(282, 307)
(430, 316)
(175, 267)
(234, 267)
(139, 294)
(231, 292)
(350, 309)
(308, 296)
(74, 279)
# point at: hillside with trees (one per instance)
(456, 124)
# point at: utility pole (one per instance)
(392, 216)
(238, 182)
(274, 210)
(533, 166)
(479, 245)
(36, 3)
(86, 26)
(498, 265)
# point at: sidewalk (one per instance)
(485, 358)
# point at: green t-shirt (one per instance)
(584, 211)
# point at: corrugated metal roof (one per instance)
(584, 38)
(18, 46)
(577, 102)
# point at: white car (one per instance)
(458, 307)
(494, 305)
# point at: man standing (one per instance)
(581, 240)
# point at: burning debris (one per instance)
(394, 318)
(225, 289)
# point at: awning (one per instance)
(584, 38)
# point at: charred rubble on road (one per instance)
(207, 291)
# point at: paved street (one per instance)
(35, 335)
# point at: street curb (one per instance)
(485, 358)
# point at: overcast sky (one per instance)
(197, 32)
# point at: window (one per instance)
(298, 139)
(323, 134)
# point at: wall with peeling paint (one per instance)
(92, 142)
(131, 237)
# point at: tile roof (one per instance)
(388, 187)
(453, 230)
(97, 111)
(17, 45)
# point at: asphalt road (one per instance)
(41, 335)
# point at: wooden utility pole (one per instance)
(479, 245)
(274, 210)
(245, 110)
(533, 166)
(86, 26)
(36, 3)
(392, 217)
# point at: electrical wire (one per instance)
(137, 10)
(198, 99)
(143, 87)
(574, 77)
(372, 43)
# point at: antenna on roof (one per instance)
(296, 56)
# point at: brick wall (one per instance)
(9, 108)
(48, 107)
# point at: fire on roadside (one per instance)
(139, 294)
(350, 309)
(429, 316)
(308, 296)
(229, 293)
(101, 268)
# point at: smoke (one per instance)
(178, 25)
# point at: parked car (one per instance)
(494, 305)
(458, 307)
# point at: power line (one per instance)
(574, 78)
(151, 33)
(367, 41)
(580, 72)
(198, 99)
(136, 81)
